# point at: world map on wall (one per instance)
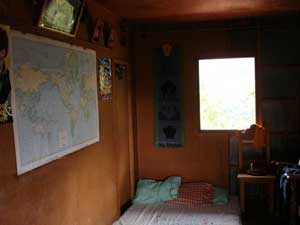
(54, 87)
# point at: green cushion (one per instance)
(220, 196)
(151, 191)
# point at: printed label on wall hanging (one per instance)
(105, 78)
(168, 98)
(5, 87)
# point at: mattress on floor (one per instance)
(166, 214)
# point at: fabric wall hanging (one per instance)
(104, 65)
(168, 97)
(98, 32)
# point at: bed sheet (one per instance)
(167, 214)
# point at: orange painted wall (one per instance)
(84, 188)
(204, 156)
(122, 138)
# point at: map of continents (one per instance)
(55, 99)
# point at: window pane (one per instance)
(227, 93)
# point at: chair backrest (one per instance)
(253, 146)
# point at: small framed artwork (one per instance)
(62, 16)
(121, 70)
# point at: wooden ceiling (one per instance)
(198, 10)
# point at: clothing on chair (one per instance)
(286, 171)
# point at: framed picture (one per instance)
(120, 70)
(61, 15)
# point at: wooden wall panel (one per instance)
(80, 188)
(280, 70)
(204, 155)
(121, 96)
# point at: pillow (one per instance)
(220, 196)
(151, 191)
(194, 194)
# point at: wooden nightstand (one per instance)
(267, 180)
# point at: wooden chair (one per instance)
(254, 154)
(253, 147)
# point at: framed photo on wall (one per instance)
(62, 16)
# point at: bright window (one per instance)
(227, 93)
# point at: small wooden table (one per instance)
(268, 180)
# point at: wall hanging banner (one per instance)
(104, 65)
(5, 87)
(168, 98)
